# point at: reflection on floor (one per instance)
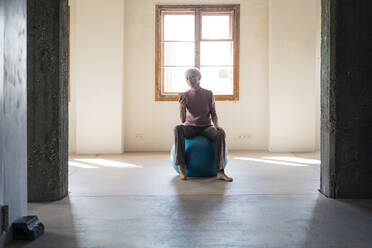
(137, 200)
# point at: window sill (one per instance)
(173, 98)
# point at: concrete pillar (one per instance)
(47, 99)
(346, 93)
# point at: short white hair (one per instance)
(192, 73)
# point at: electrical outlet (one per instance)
(139, 136)
(5, 218)
(244, 136)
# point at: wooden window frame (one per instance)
(214, 9)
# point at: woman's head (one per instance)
(193, 77)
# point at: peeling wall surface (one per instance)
(47, 99)
(1, 99)
(13, 115)
(2, 182)
(346, 99)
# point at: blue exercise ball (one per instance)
(200, 157)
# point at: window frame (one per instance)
(198, 9)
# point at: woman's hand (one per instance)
(182, 99)
(218, 128)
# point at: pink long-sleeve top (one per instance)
(200, 107)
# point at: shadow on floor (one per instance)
(59, 226)
(199, 186)
(340, 224)
(194, 212)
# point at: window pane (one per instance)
(216, 53)
(179, 53)
(174, 79)
(179, 27)
(218, 79)
(216, 27)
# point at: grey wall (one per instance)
(1, 98)
(346, 170)
(13, 103)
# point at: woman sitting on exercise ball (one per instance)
(197, 112)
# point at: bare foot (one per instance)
(181, 168)
(224, 177)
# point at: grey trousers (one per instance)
(182, 132)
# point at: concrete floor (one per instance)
(136, 200)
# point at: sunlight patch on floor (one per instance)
(81, 165)
(294, 160)
(268, 161)
(91, 163)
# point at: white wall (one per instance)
(317, 73)
(72, 102)
(101, 87)
(292, 75)
(156, 120)
(97, 76)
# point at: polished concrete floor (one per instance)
(136, 200)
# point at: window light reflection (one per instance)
(107, 163)
(267, 161)
(81, 165)
(295, 160)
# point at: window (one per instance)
(202, 36)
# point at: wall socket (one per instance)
(139, 136)
(243, 136)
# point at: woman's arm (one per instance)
(215, 122)
(182, 101)
(212, 108)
